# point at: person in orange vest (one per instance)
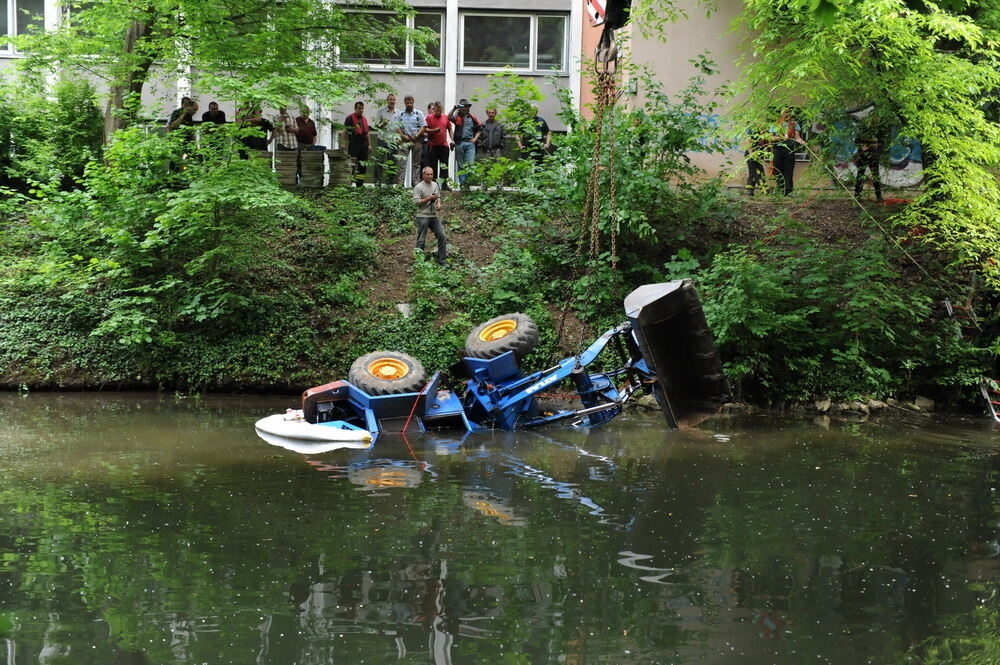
(785, 141)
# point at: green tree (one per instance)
(930, 67)
(267, 50)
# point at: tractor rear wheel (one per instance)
(508, 332)
(387, 373)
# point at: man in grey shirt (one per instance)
(427, 197)
(385, 127)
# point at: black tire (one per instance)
(508, 332)
(387, 373)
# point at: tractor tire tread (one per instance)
(521, 340)
(361, 378)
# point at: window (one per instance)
(19, 17)
(433, 48)
(382, 23)
(522, 41)
(405, 55)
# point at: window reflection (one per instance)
(433, 22)
(30, 16)
(497, 41)
(551, 42)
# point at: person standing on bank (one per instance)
(869, 140)
(357, 137)
(305, 131)
(437, 127)
(427, 197)
(411, 122)
(385, 139)
(214, 115)
(467, 133)
(285, 131)
(786, 139)
(491, 136)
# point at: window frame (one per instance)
(532, 67)
(13, 13)
(409, 51)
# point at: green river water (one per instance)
(148, 529)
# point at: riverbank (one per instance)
(809, 298)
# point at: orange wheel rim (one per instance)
(498, 330)
(388, 369)
(388, 479)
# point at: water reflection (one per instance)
(145, 529)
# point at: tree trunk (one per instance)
(123, 97)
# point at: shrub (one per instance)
(800, 319)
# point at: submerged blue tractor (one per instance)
(664, 348)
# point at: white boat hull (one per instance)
(300, 430)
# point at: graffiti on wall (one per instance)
(902, 161)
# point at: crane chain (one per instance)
(606, 97)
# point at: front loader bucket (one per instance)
(674, 340)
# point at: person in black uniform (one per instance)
(870, 140)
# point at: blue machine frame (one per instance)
(664, 348)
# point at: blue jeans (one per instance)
(465, 153)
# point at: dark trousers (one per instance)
(358, 150)
(784, 165)
(434, 224)
(867, 159)
(755, 172)
(385, 163)
(439, 156)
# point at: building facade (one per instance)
(543, 40)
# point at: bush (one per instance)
(48, 141)
(194, 270)
(800, 319)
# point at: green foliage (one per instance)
(241, 49)
(643, 175)
(798, 319)
(514, 97)
(930, 67)
(47, 141)
(646, 195)
(974, 639)
(180, 265)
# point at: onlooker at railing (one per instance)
(285, 131)
(305, 131)
(425, 152)
(439, 139)
(385, 135)
(214, 115)
(357, 137)
(467, 128)
(411, 122)
(536, 144)
(491, 136)
(184, 115)
(251, 117)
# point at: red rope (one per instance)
(414, 407)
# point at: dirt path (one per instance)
(470, 238)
